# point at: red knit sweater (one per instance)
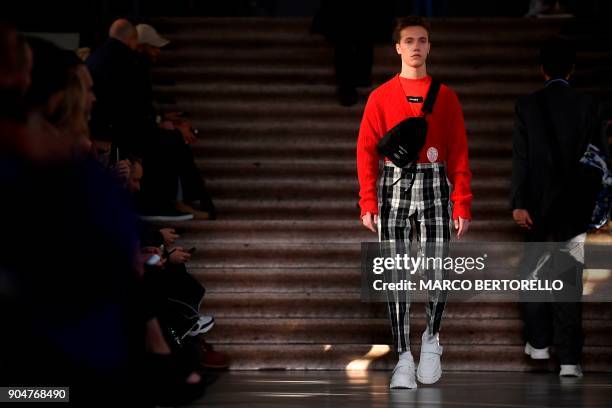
(446, 138)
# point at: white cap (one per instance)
(148, 35)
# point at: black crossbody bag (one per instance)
(405, 140)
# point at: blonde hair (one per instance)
(71, 115)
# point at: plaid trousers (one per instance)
(414, 205)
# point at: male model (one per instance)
(414, 203)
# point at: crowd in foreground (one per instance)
(93, 295)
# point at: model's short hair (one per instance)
(557, 57)
(410, 21)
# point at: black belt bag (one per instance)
(405, 140)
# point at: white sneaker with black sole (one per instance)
(537, 354)
(201, 326)
(430, 367)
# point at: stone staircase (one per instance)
(281, 265)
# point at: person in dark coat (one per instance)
(353, 29)
(552, 198)
(121, 111)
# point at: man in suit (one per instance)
(551, 197)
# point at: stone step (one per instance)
(260, 253)
(268, 110)
(322, 167)
(285, 24)
(345, 233)
(309, 126)
(327, 209)
(304, 93)
(369, 356)
(317, 146)
(320, 56)
(210, 36)
(273, 255)
(238, 209)
(313, 299)
(285, 73)
(257, 153)
(471, 332)
(330, 187)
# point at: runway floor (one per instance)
(297, 389)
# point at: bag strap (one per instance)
(432, 94)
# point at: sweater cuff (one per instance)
(518, 203)
(462, 209)
(368, 206)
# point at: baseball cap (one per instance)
(148, 35)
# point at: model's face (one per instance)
(413, 46)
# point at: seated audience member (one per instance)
(108, 331)
(90, 334)
(179, 316)
(124, 113)
(15, 71)
(195, 197)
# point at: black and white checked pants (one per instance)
(414, 208)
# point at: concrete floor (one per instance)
(296, 389)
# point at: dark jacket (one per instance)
(546, 176)
(123, 111)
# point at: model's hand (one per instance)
(522, 218)
(370, 221)
(461, 225)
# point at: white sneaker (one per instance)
(403, 375)
(537, 354)
(570, 370)
(201, 326)
(430, 367)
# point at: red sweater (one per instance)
(446, 138)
